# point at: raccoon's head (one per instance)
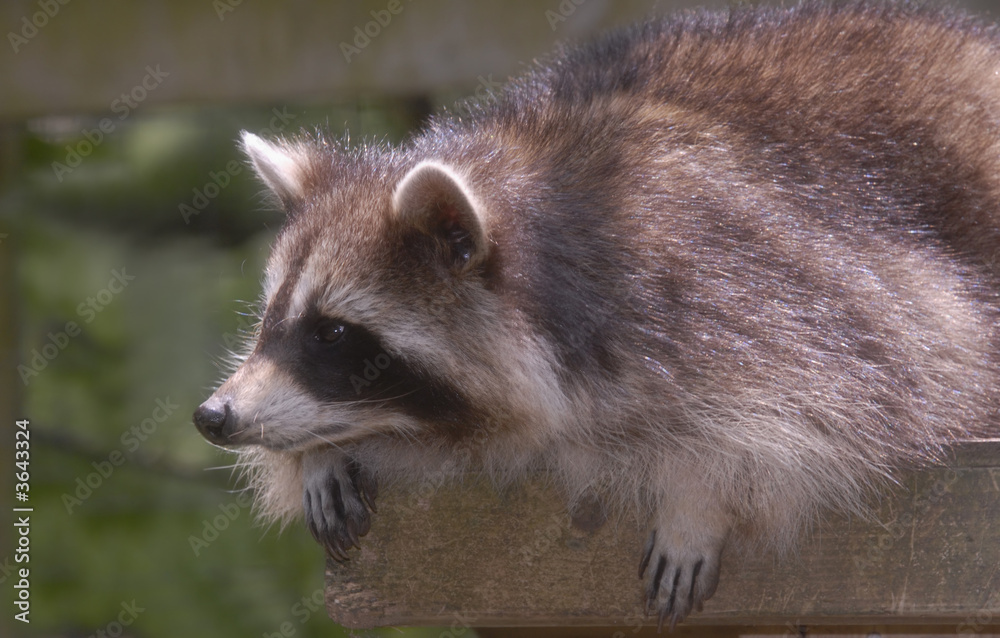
(378, 315)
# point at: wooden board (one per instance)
(463, 555)
(73, 57)
(83, 56)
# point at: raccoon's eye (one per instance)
(329, 332)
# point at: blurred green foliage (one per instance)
(121, 481)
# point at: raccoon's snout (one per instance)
(214, 418)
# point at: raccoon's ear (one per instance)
(279, 166)
(435, 200)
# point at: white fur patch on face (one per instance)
(267, 403)
(280, 167)
(276, 413)
(325, 282)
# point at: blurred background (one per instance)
(132, 241)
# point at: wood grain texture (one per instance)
(464, 556)
(87, 54)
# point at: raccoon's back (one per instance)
(781, 216)
(870, 100)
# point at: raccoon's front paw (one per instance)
(338, 496)
(682, 576)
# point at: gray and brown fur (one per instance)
(728, 270)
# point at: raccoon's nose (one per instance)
(212, 418)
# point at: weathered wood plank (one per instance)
(82, 56)
(461, 554)
(737, 631)
(71, 57)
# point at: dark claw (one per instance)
(673, 590)
(352, 533)
(333, 492)
(694, 579)
(369, 502)
(335, 552)
(364, 484)
(647, 553)
(654, 590)
(310, 518)
(365, 525)
(681, 581)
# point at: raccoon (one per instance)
(726, 271)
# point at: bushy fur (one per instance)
(729, 269)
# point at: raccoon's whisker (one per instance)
(378, 398)
(386, 399)
(222, 467)
(325, 440)
(368, 401)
